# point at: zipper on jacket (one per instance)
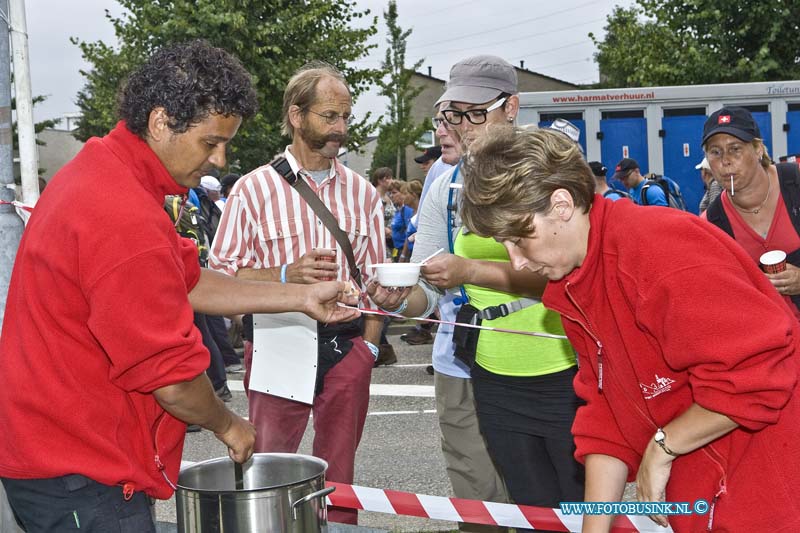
(127, 491)
(586, 325)
(722, 490)
(159, 465)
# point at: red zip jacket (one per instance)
(98, 318)
(667, 310)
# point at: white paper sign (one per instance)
(285, 356)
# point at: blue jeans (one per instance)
(75, 502)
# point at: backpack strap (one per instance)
(643, 193)
(452, 210)
(789, 179)
(717, 216)
(282, 167)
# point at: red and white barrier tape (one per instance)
(473, 511)
(448, 323)
(24, 211)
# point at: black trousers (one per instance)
(216, 370)
(526, 422)
(216, 324)
(77, 503)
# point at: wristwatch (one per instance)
(659, 437)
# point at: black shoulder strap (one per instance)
(282, 166)
(789, 179)
(716, 215)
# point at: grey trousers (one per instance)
(471, 470)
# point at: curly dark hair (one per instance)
(190, 81)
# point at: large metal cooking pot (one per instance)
(283, 492)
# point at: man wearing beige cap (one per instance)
(484, 403)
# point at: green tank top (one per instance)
(508, 354)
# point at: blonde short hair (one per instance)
(302, 89)
(759, 144)
(510, 174)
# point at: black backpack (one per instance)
(209, 214)
(672, 191)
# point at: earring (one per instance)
(510, 119)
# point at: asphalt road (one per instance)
(400, 446)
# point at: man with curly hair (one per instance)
(102, 366)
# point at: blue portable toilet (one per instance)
(623, 134)
(681, 133)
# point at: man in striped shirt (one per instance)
(268, 232)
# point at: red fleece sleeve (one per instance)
(595, 429)
(141, 316)
(737, 342)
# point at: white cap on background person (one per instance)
(210, 183)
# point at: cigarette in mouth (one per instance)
(732, 192)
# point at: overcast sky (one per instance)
(550, 37)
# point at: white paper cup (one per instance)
(773, 261)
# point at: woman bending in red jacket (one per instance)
(687, 354)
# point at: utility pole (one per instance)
(11, 225)
(26, 134)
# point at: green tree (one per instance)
(688, 42)
(272, 38)
(399, 130)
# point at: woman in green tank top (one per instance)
(523, 392)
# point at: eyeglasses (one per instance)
(439, 121)
(734, 151)
(332, 117)
(474, 116)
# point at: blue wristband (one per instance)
(372, 348)
(283, 273)
(399, 310)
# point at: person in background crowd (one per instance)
(421, 334)
(382, 180)
(427, 158)
(627, 172)
(226, 183)
(760, 204)
(711, 188)
(213, 188)
(411, 193)
(599, 171)
(693, 402)
(317, 109)
(102, 366)
(401, 220)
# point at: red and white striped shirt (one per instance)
(266, 223)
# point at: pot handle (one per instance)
(319, 494)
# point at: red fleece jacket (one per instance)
(98, 318)
(667, 310)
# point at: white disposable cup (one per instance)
(773, 261)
